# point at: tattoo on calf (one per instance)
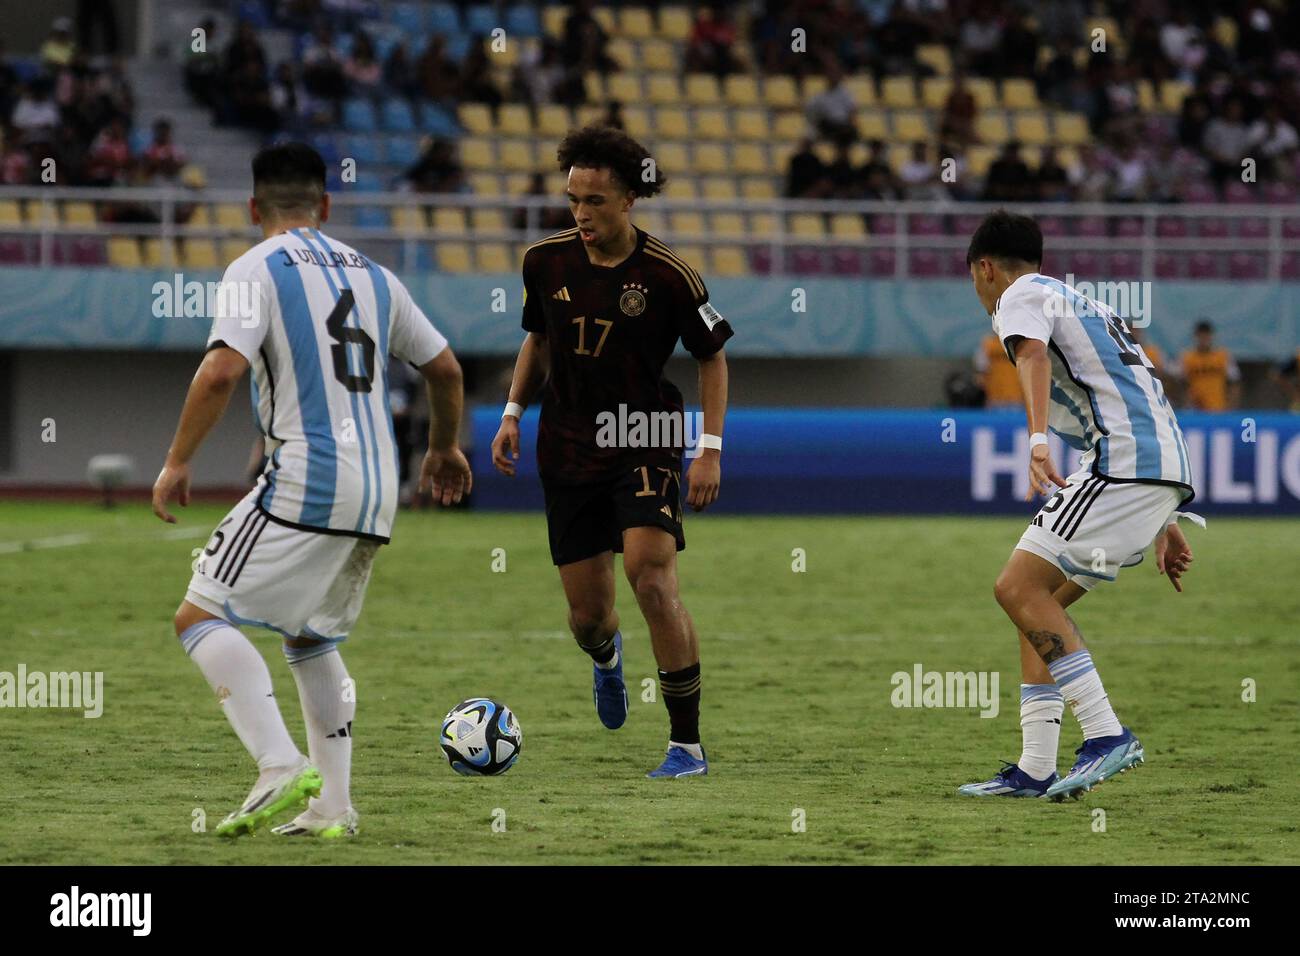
(1049, 645)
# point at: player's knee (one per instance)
(1008, 592)
(588, 621)
(654, 587)
(187, 615)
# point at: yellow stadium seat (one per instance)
(1019, 95)
(757, 187)
(751, 124)
(1172, 94)
(729, 261)
(636, 119)
(1070, 129)
(814, 84)
(936, 56)
(984, 92)
(680, 187)
(898, 92)
(512, 53)
(635, 23)
(1225, 31)
(123, 252)
(862, 89)
(605, 18)
(232, 216)
(199, 254)
(10, 213)
(671, 122)
(488, 220)
(518, 155)
(992, 128)
(719, 187)
(779, 92)
(589, 114)
(675, 23)
(910, 126)
(897, 156)
(517, 183)
(1031, 128)
(762, 224)
(41, 212)
(159, 254)
(514, 119)
(687, 224)
(1146, 96)
(476, 118)
(710, 158)
(557, 185)
(624, 54)
(653, 221)
(200, 216)
(934, 92)
(790, 126)
(749, 159)
(485, 184)
(494, 257)
(454, 257)
(594, 86)
(657, 56)
(232, 249)
(694, 256)
(728, 224)
(740, 89)
(625, 88)
(807, 225)
(478, 153)
(663, 89)
(701, 90)
(980, 158)
(78, 213)
(672, 157)
(710, 124)
(450, 219)
(871, 124)
(825, 151)
(553, 18)
(847, 225)
(409, 218)
(553, 120)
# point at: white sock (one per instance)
(239, 677)
(1081, 685)
(695, 750)
(328, 706)
(1041, 706)
(610, 664)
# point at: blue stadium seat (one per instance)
(327, 146)
(364, 149)
(372, 217)
(255, 12)
(436, 121)
(344, 42)
(444, 19)
(410, 18)
(522, 21)
(403, 150)
(481, 19)
(458, 45)
(397, 117)
(359, 116)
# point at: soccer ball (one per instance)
(481, 737)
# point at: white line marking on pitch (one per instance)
(76, 540)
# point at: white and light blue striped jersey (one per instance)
(1106, 399)
(316, 321)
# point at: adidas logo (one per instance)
(562, 295)
(666, 510)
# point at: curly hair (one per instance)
(604, 147)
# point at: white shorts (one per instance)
(299, 583)
(1094, 526)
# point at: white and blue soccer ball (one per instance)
(480, 737)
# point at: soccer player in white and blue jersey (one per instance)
(1082, 376)
(315, 320)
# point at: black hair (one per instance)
(604, 147)
(1006, 236)
(1205, 325)
(288, 177)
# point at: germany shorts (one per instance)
(586, 520)
(1094, 526)
(299, 583)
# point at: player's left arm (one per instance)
(704, 477)
(209, 394)
(1034, 367)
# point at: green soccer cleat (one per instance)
(310, 823)
(290, 789)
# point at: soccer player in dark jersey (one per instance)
(604, 307)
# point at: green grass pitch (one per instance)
(797, 701)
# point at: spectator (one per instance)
(806, 176)
(920, 177)
(362, 69)
(1130, 173)
(437, 170)
(400, 74)
(831, 112)
(162, 157)
(1053, 180)
(1093, 179)
(1287, 376)
(845, 180)
(613, 115)
(1017, 47)
(439, 76)
(101, 13)
(203, 67)
(547, 219)
(1225, 141)
(1009, 178)
(59, 47)
(1210, 374)
(996, 376)
(979, 37)
(585, 41)
(476, 83)
(110, 160)
(957, 124)
(709, 49)
(16, 166)
(36, 115)
(1273, 139)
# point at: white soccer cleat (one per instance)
(311, 823)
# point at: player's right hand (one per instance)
(172, 480)
(1042, 473)
(446, 475)
(505, 447)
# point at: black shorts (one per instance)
(586, 520)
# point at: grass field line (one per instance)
(77, 540)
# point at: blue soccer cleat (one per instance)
(1010, 781)
(680, 763)
(609, 691)
(1098, 759)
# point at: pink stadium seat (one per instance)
(1084, 265)
(1123, 265)
(86, 251)
(805, 260)
(1246, 265)
(966, 225)
(957, 264)
(1291, 228)
(1252, 228)
(1291, 265)
(1280, 194)
(1091, 226)
(13, 251)
(881, 262)
(1052, 226)
(760, 260)
(925, 225)
(883, 225)
(1129, 228)
(1199, 192)
(1171, 227)
(1238, 192)
(1208, 228)
(1168, 265)
(1203, 265)
(924, 264)
(846, 261)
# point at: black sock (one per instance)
(601, 653)
(681, 690)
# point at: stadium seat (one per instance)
(763, 225)
(41, 212)
(593, 84)
(488, 220)
(359, 116)
(637, 121)
(984, 92)
(925, 224)
(1171, 227)
(812, 85)
(1291, 266)
(494, 257)
(657, 56)
(454, 257)
(364, 149)
(372, 217)
(1123, 265)
(883, 224)
(1031, 128)
(1146, 95)
(522, 21)
(410, 218)
(1235, 191)
(1070, 129)
(232, 249)
(807, 225)
(863, 90)
(481, 19)
(478, 153)
(475, 118)
(936, 56)
(710, 124)
(200, 215)
(1019, 94)
(409, 18)
(672, 157)
(751, 124)
(662, 89)
(757, 187)
(671, 122)
(232, 216)
(553, 17)
(934, 92)
(925, 264)
(1212, 227)
(403, 150)
(450, 219)
(991, 128)
(846, 261)
(898, 92)
(10, 213)
(79, 214)
(1172, 94)
(750, 159)
(675, 23)
(848, 225)
(729, 225)
(635, 23)
(1092, 227)
(686, 224)
(710, 158)
(514, 119)
(124, 252)
(1247, 265)
(979, 159)
(1050, 226)
(910, 126)
(553, 120)
(740, 89)
(872, 124)
(881, 262)
(729, 261)
(398, 117)
(790, 127)
(159, 253)
(627, 89)
(701, 89)
(1129, 227)
(1084, 265)
(780, 92)
(719, 187)
(85, 251)
(1203, 265)
(199, 254)
(624, 53)
(681, 187)
(1168, 266)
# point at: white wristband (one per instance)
(1037, 438)
(513, 410)
(709, 441)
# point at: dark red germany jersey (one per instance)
(610, 332)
